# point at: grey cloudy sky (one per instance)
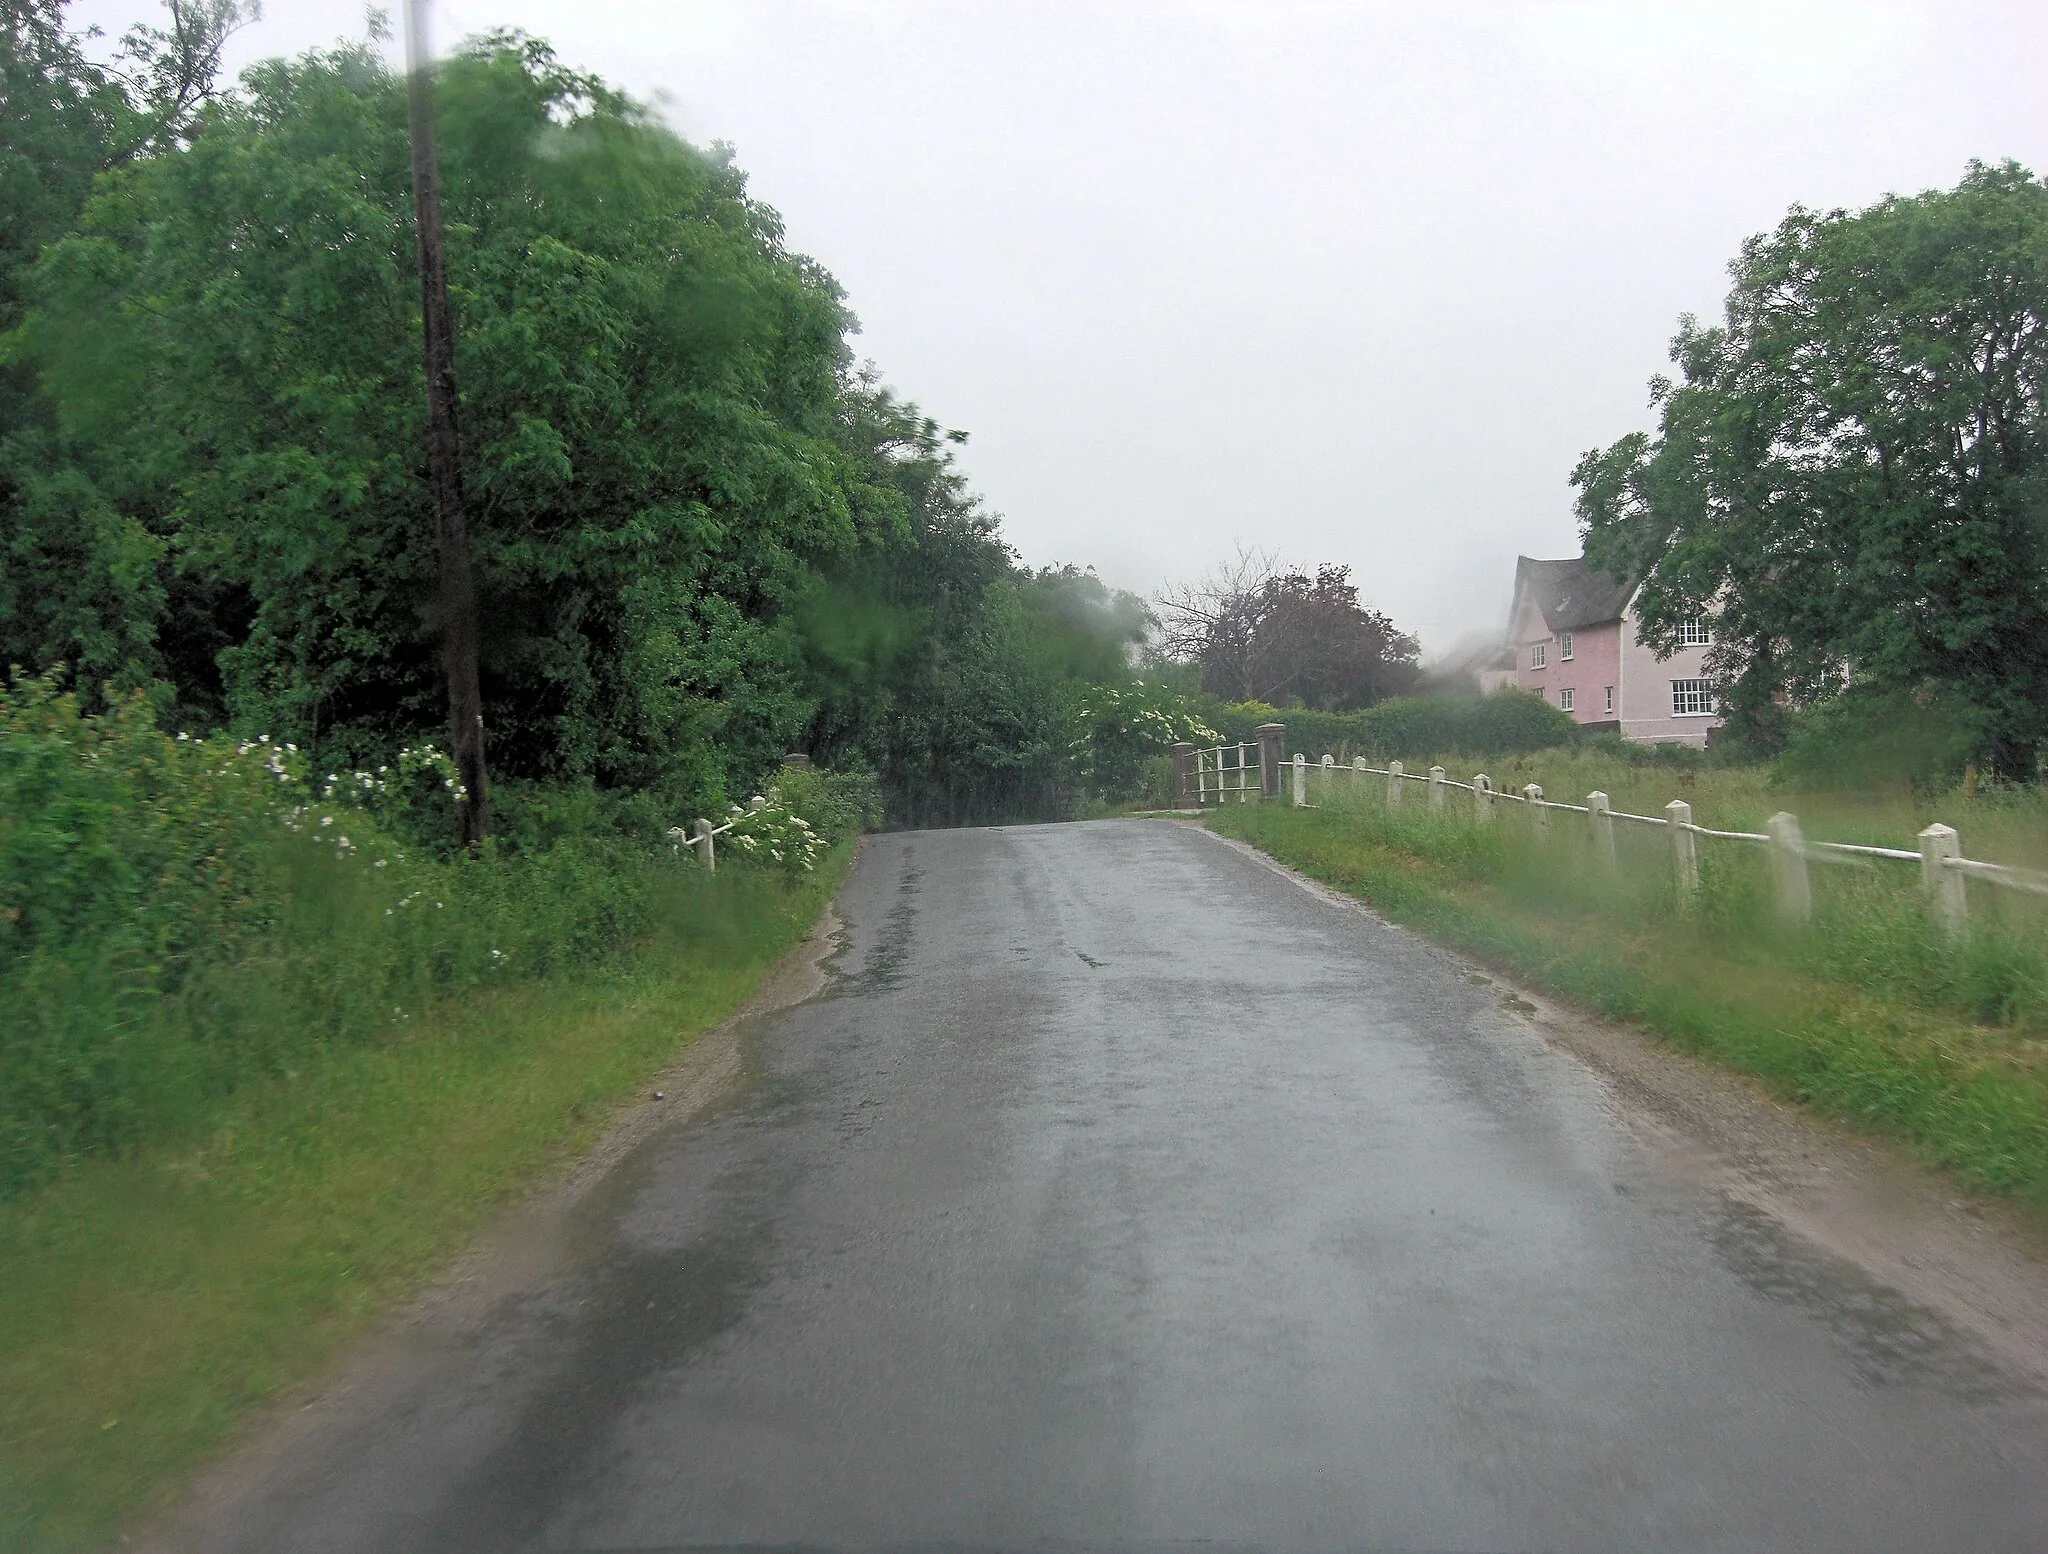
(1354, 282)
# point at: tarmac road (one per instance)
(1119, 1192)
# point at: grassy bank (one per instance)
(2002, 824)
(153, 1299)
(1868, 1016)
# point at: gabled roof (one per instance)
(1571, 594)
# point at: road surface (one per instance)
(1119, 1192)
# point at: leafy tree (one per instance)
(1852, 471)
(701, 536)
(1261, 633)
(651, 381)
(80, 580)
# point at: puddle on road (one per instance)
(1889, 1340)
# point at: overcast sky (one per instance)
(1357, 283)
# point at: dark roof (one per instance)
(1571, 593)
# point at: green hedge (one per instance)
(1507, 722)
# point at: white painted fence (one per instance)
(1943, 869)
(1226, 772)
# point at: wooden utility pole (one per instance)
(458, 589)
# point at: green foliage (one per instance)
(1871, 738)
(701, 537)
(1853, 470)
(180, 917)
(1123, 728)
(651, 388)
(172, 1290)
(838, 804)
(1503, 723)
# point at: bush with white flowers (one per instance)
(772, 833)
(1122, 727)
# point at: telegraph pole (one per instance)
(458, 589)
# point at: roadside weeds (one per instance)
(157, 1301)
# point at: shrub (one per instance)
(181, 917)
(1877, 739)
(1507, 722)
(1124, 728)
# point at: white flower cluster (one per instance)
(769, 828)
(362, 787)
(279, 758)
(1140, 715)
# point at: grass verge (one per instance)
(1967, 1095)
(152, 1301)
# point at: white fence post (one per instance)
(1436, 787)
(1600, 814)
(1685, 850)
(1358, 765)
(1482, 797)
(1788, 867)
(706, 845)
(1534, 794)
(1394, 781)
(1947, 892)
(1300, 780)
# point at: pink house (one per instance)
(1572, 640)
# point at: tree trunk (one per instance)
(458, 589)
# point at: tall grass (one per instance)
(1870, 922)
(154, 1298)
(2001, 824)
(182, 918)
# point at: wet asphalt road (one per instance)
(1120, 1192)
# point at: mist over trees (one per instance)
(1852, 468)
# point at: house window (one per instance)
(1536, 656)
(1692, 698)
(1610, 701)
(1565, 698)
(1696, 632)
(1564, 646)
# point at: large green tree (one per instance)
(1852, 469)
(80, 580)
(652, 413)
(702, 536)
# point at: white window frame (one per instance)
(1692, 698)
(1564, 647)
(1538, 652)
(1610, 701)
(1696, 631)
(1566, 697)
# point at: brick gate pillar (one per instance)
(1271, 737)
